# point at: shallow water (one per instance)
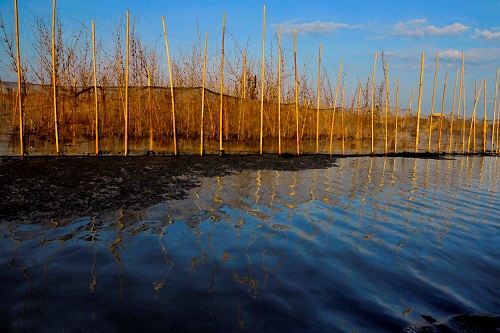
(367, 245)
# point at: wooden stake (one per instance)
(397, 111)
(150, 105)
(279, 91)
(319, 100)
(221, 149)
(296, 89)
(450, 146)
(54, 74)
(342, 121)
(127, 48)
(440, 133)
(359, 118)
(419, 101)
(493, 146)
(386, 132)
(19, 79)
(335, 106)
(95, 91)
(406, 118)
(485, 119)
(463, 95)
(432, 106)
(174, 132)
(476, 97)
(372, 100)
(262, 80)
(203, 76)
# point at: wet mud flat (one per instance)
(38, 188)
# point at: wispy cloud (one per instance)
(312, 28)
(487, 34)
(419, 28)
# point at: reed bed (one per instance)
(125, 97)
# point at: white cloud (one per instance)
(417, 28)
(313, 28)
(487, 34)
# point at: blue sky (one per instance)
(351, 31)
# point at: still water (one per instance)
(367, 245)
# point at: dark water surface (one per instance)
(367, 245)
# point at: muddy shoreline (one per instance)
(39, 188)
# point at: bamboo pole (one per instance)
(296, 89)
(19, 78)
(359, 118)
(242, 110)
(397, 111)
(95, 91)
(221, 149)
(150, 106)
(493, 147)
(174, 132)
(406, 118)
(476, 97)
(463, 95)
(485, 119)
(419, 101)
(279, 91)
(386, 129)
(203, 78)
(342, 121)
(262, 80)
(372, 100)
(319, 99)
(432, 106)
(127, 48)
(54, 74)
(335, 106)
(440, 133)
(450, 146)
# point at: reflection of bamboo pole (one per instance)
(373, 93)
(127, 48)
(335, 106)
(440, 133)
(54, 73)
(493, 147)
(386, 132)
(262, 80)
(95, 92)
(19, 93)
(221, 149)
(171, 85)
(150, 105)
(318, 102)
(397, 115)
(296, 89)
(342, 121)
(450, 146)
(203, 75)
(279, 91)
(485, 127)
(432, 106)
(419, 101)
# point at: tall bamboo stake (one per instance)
(373, 97)
(359, 118)
(279, 91)
(319, 100)
(397, 111)
(463, 95)
(296, 89)
(386, 131)
(262, 80)
(203, 78)
(54, 73)
(95, 91)
(221, 149)
(485, 120)
(450, 146)
(150, 106)
(419, 101)
(342, 121)
(244, 94)
(476, 97)
(493, 147)
(406, 118)
(174, 132)
(127, 48)
(335, 106)
(440, 133)
(432, 106)
(19, 78)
